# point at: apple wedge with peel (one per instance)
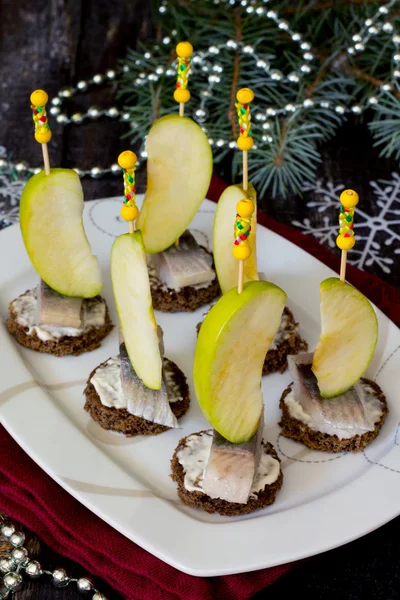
(226, 264)
(229, 357)
(179, 169)
(131, 287)
(349, 334)
(52, 229)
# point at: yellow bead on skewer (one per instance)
(241, 252)
(245, 143)
(346, 239)
(245, 208)
(184, 51)
(129, 212)
(345, 243)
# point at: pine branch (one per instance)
(287, 147)
(369, 78)
(386, 128)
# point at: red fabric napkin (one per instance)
(29, 496)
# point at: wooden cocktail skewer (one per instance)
(346, 240)
(53, 308)
(245, 207)
(39, 99)
(184, 50)
(129, 212)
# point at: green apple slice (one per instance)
(349, 334)
(131, 286)
(226, 264)
(179, 169)
(230, 353)
(52, 228)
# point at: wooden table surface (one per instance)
(53, 43)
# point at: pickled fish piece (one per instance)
(231, 468)
(184, 264)
(345, 412)
(142, 401)
(56, 309)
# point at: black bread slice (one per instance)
(119, 419)
(300, 432)
(64, 346)
(200, 500)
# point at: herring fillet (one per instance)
(56, 309)
(345, 412)
(183, 265)
(141, 401)
(231, 468)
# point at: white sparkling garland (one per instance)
(203, 60)
(372, 27)
(18, 562)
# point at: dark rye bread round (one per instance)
(66, 345)
(188, 299)
(198, 499)
(119, 419)
(276, 360)
(296, 430)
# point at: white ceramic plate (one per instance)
(326, 499)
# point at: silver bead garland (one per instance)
(33, 569)
(60, 578)
(204, 60)
(12, 567)
(20, 555)
(17, 539)
(13, 581)
(372, 27)
(7, 564)
(84, 585)
(7, 529)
